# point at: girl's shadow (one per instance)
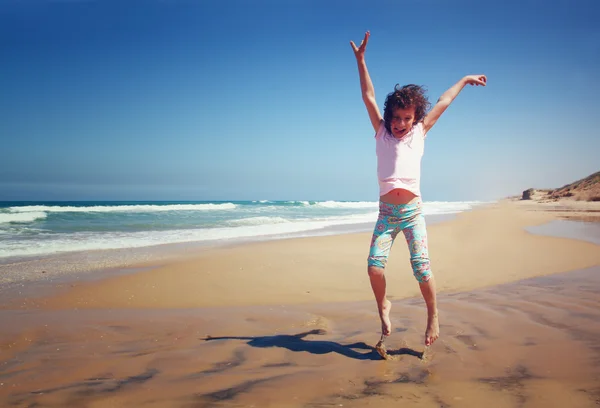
(296, 342)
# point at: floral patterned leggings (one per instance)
(409, 219)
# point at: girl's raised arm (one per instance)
(448, 96)
(366, 86)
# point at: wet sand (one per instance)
(302, 335)
(533, 343)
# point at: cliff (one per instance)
(586, 189)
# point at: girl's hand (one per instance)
(476, 80)
(359, 52)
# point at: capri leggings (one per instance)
(409, 219)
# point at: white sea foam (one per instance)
(256, 221)
(298, 202)
(448, 207)
(6, 218)
(347, 204)
(85, 241)
(123, 208)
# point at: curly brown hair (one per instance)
(403, 98)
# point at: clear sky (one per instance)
(244, 100)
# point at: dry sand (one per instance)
(292, 323)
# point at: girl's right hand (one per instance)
(359, 52)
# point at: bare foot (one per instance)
(384, 315)
(433, 330)
(380, 348)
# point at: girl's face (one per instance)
(402, 121)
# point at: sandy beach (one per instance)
(189, 191)
(292, 323)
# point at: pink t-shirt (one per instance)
(399, 160)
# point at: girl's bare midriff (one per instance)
(399, 196)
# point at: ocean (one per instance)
(38, 230)
(42, 228)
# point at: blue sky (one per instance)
(225, 100)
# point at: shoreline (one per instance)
(61, 266)
(76, 265)
(248, 273)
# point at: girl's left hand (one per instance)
(476, 80)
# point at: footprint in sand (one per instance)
(319, 322)
(468, 341)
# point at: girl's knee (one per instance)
(421, 267)
(377, 259)
(423, 277)
(373, 270)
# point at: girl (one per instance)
(399, 139)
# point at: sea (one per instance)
(38, 230)
(42, 228)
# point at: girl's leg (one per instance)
(381, 244)
(432, 332)
(415, 232)
(378, 284)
